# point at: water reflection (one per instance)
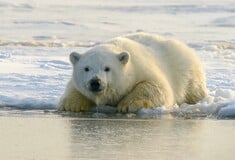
(65, 138)
(133, 139)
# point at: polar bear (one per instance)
(135, 71)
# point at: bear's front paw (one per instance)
(67, 105)
(133, 106)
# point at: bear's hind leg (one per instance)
(146, 95)
(196, 91)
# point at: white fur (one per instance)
(171, 70)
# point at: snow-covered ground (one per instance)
(36, 38)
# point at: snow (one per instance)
(37, 37)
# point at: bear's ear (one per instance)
(123, 57)
(74, 57)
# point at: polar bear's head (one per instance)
(101, 75)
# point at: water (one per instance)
(36, 38)
(51, 137)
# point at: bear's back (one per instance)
(169, 54)
(175, 59)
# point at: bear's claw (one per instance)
(66, 105)
(133, 106)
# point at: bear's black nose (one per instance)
(95, 85)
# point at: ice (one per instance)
(228, 111)
(225, 22)
(34, 50)
(44, 22)
(4, 55)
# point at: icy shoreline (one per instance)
(36, 81)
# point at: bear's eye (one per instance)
(106, 69)
(86, 69)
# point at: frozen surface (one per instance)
(36, 38)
